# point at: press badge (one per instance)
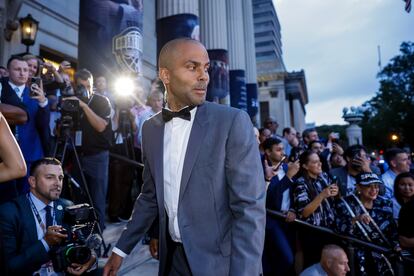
(78, 138)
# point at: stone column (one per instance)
(237, 60)
(213, 34)
(251, 72)
(176, 18)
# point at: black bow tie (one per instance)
(184, 113)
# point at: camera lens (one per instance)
(78, 254)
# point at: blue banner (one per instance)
(238, 95)
(218, 88)
(176, 26)
(110, 37)
(252, 102)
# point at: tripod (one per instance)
(126, 134)
(65, 140)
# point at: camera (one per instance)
(70, 109)
(78, 222)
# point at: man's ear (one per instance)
(164, 75)
(393, 163)
(32, 181)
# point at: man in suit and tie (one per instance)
(278, 254)
(202, 177)
(31, 223)
(33, 136)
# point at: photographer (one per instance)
(95, 134)
(31, 223)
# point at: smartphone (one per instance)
(34, 81)
(294, 155)
(280, 163)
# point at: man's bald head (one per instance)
(334, 260)
(171, 50)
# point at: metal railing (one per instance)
(350, 243)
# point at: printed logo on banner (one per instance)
(127, 48)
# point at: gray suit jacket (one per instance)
(221, 210)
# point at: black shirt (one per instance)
(93, 141)
(405, 225)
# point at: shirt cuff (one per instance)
(119, 252)
(45, 245)
(44, 104)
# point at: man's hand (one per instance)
(77, 269)
(64, 65)
(290, 216)
(81, 103)
(337, 148)
(153, 248)
(293, 168)
(112, 265)
(269, 170)
(362, 164)
(37, 93)
(49, 66)
(54, 236)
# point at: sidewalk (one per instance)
(139, 262)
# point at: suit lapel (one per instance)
(28, 218)
(195, 141)
(157, 151)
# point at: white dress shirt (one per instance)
(285, 206)
(20, 89)
(46, 269)
(176, 136)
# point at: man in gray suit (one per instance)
(202, 177)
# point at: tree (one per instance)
(391, 110)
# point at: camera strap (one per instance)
(37, 215)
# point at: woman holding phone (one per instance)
(314, 199)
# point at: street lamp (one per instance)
(394, 137)
(28, 29)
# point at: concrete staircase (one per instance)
(139, 262)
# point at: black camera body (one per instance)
(78, 222)
(70, 109)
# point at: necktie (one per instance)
(184, 113)
(49, 219)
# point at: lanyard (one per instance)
(37, 215)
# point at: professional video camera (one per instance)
(79, 222)
(70, 109)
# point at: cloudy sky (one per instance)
(335, 42)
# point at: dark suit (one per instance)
(278, 254)
(24, 253)
(9, 190)
(221, 210)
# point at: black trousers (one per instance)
(177, 263)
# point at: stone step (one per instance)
(139, 262)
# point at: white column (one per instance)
(251, 72)
(213, 28)
(235, 35)
(173, 7)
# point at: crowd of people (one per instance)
(307, 178)
(343, 190)
(53, 113)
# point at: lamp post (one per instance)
(28, 28)
(353, 116)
